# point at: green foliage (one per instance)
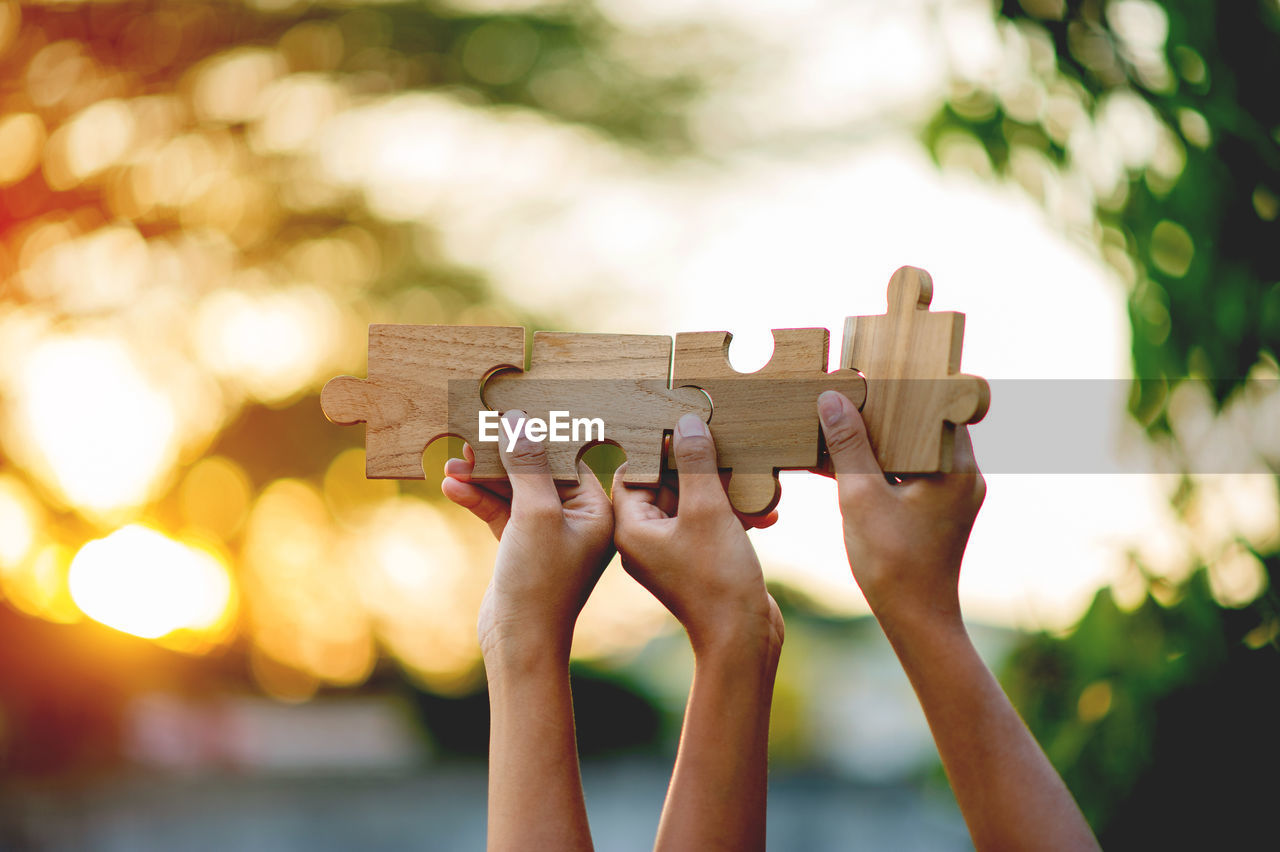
(561, 61)
(1164, 703)
(1199, 228)
(1154, 714)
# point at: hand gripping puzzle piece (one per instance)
(915, 394)
(618, 380)
(424, 383)
(766, 420)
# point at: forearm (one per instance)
(535, 786)
(1010, 795)
(719, 788)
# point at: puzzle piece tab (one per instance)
(424, 383)
(915, 394)
(621, 379)
(766, 420)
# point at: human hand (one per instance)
(554, 542)
(905, 541)
(688, 547)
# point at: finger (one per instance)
(587, 491)
(667, 494)
(618, 473)
(485, 505)
(848, 447)
(460, 468)
(699, 478)
(667, 499)
(846, 434)
(633, 503)
(966, 464)
(963, 460)
(526, 464)
(857, 471)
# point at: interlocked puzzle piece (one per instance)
(420, 375)
(426, 382)
(621, 379)
(766, 420)
(910, 357)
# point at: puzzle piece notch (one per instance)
(915, 393)
(423, 380)
(623, 379)
(767, 420)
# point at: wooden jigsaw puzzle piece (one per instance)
(622, 379)
(766, 420)
(424, 383)
(915, 394)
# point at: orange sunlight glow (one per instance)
(89, 422)
(271, 342)
(142, 582)
(18, 521)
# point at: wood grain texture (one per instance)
(620, 378)
(915, 394)
(766, 420)
(420, 375)
(426, 382)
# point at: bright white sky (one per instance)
(821, 244)
(783, 243)
(778, 230)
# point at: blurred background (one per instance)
(215, 633)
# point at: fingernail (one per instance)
(830, 407)
(691, 426)
(513, 426)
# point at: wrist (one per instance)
(910, 596)
(744, 669)
(921, 623)
(525, 650)
(508, 667)
(751, 639)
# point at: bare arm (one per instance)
(687, 547)
(554, 542)
(1010, 795)
(905, 543)
(535, 787)
(719, 791)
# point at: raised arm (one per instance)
(554, 542)
(905, 544)
(690, 550)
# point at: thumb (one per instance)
(695, 452)
(527, 467)
(846, 434)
